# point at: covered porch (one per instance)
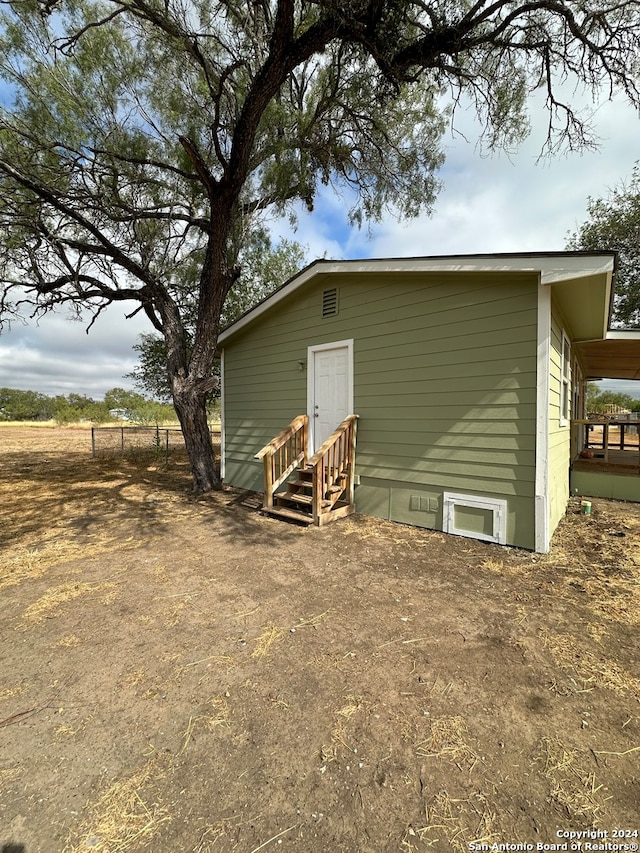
(605, 451)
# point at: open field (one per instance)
(185, 675)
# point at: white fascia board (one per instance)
(613, 335)
(551, 268)
(557, 269)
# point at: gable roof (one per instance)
(582, 281)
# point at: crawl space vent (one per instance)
(330, 302)
(475, 516)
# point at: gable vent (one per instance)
(330, 302)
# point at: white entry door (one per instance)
(330, 388)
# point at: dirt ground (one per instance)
(187, 675)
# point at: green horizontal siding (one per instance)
(444, 377)
(603, 484)
(464, 479)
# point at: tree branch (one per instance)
(104, 246)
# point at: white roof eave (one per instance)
(552, 268)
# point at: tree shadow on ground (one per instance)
(43, 491)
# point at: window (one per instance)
(578, 391)
(565, 381)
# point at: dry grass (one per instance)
(597, 631)
(453, 809)
(136, 677)
(219, 713)
(10, 692)
(212, 833)
(327, 662)
(35, 425)
(448, 740)
(456, 823)
(225, 661)
(352, 704)
(615, 597)
(21, 563)
(593, 669)
(373, 528)
(8, 775)
(311, 621)
(68, 642)
(601, 555)
(121, 820)
(174, 614)
(218, 716)
(572, 783)
(521, 566)
(492, 565)
(270, 635)
(68, 730)
(45, 606)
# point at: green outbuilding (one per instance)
(462, 373)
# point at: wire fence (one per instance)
(155, 442)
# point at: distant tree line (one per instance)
(118, 404)
(600, 402)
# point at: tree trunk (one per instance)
(190, 374)
(192, 414)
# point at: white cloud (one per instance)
(57, 356)
(487, 204)
(519, 203)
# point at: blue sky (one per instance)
(495, 203)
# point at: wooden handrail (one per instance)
(335, 435)
(283, 455)
(276, 443)
(333, 469)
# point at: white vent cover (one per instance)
(476, 517)
(330, 302)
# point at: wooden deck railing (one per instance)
(607, 434)
(286, 452)
(333, 470)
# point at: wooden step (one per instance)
(288, 514)
(301, 484)
(298, 498)
(293, 497)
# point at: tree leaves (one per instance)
(614, 224)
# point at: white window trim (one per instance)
(499, 506)
(565, 381)
(578, 391)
